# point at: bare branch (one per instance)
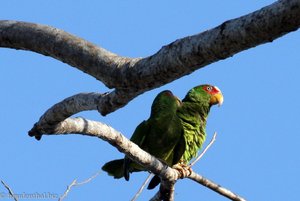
(75, 104)
(63, 46)
(209, 184)
(204, 151)
(142, 187)
(11, 193)
(160, 195)
(97, 129)
(88, 179)
(215, 187)
(166, 191)
(66, 108)
(69, 106)
(68, 190)
(75, 183)
(131, 77)
(109, 134)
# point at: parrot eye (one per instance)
(209, 88)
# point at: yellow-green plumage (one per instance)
(151, 135)
(193, 115)
(174, 132)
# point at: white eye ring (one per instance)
(209, 88)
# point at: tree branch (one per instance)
(97, 129)
(66, 108)
(75, 183)
(63, 46)
(150, 176)
(166, 191)
(133, 76)
(68, 190)
(11, 193)
(215, 187)
(160, 195)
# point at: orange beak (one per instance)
(217, 99)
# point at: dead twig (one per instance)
(11, 193)
(75, 183)
(142, 187)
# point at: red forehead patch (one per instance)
(211, 89)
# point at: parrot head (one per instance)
(206, 94)
(216, 96)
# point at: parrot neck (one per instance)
(194, 110)
(193, 118)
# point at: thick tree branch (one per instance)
(63, 46)
(69, 106)
(132, 76)
(166, 191)
(66, 108)
(97, 129)
(109, 134)
(135, 76)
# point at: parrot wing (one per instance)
(160, 133)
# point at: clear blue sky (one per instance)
(256, 152)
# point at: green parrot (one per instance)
(151, 135)
(174, 132)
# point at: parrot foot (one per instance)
(183, 169)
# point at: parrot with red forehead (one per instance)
(193, 115)
(174, 132)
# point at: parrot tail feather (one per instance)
(126, 172)
(154, 182)
(114, 168)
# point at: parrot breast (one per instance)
(194, 135)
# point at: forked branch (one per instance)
(97, 129)
(75, 183)
(131, 77)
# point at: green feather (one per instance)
(159, 136)
(193, 115)
(114, 168)
(175, 131)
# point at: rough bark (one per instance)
(133, 76)
(166, 191)
(97, 129)
(64, 109)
